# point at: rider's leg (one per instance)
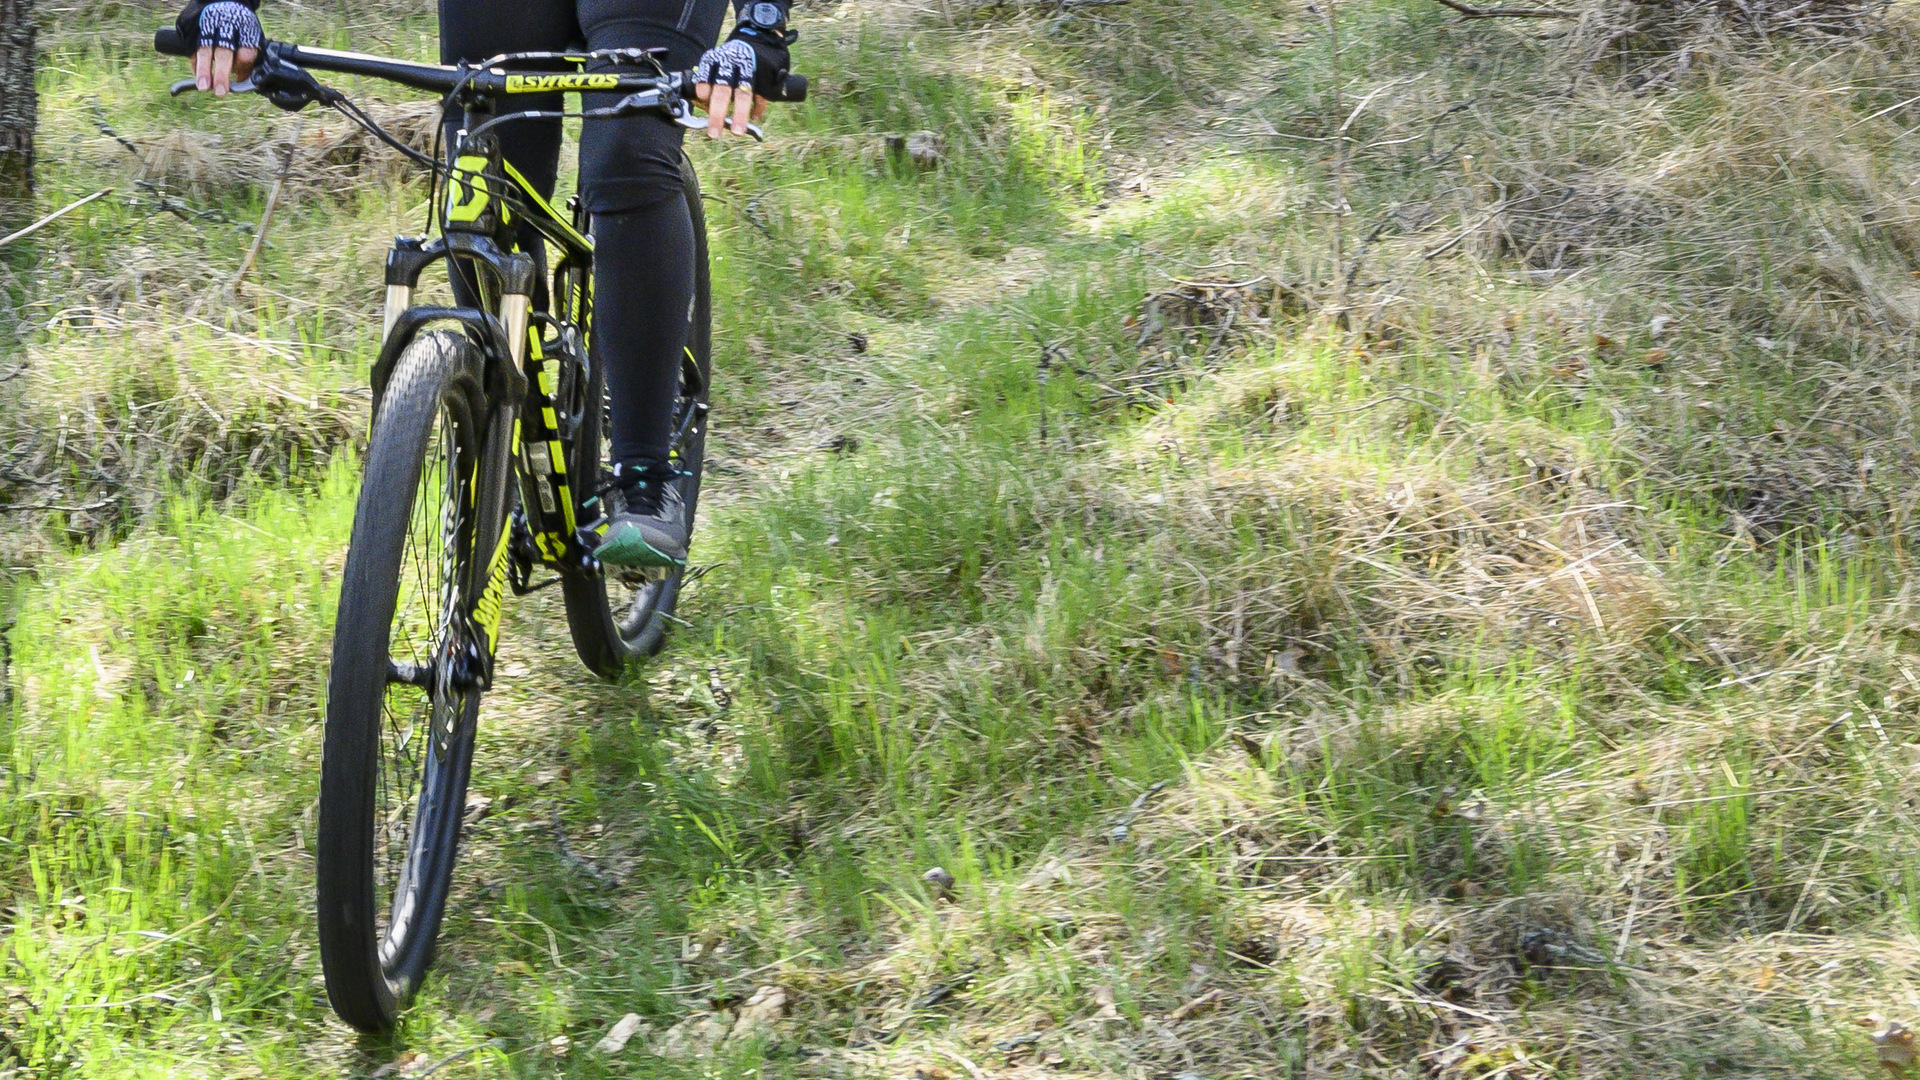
(644, 268)
(640, 317)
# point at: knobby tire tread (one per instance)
(435, 367)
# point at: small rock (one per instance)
(768, 1003)
(939, 882)
(616, 1037)
(1047, 875)
(1660, 326)
(923, 148)
(696, 1036)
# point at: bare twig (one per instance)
(53, 217)
(100, 122)
(10, 508)
(266, 215)
(1464, 233)
(1469, 12)
(578, 862)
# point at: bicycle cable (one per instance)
(438, 169)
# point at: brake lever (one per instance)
(677, 109)
(694, 123)
(288, 86)
(245, 86)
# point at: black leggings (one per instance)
(630, 178)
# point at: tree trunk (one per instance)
(17, 108)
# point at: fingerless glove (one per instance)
(223, 24)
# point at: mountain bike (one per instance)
(486, 465)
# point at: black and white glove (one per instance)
(223, 24)
(226, 40)
(757, 62)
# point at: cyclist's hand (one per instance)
(229, 37)
(737, 77)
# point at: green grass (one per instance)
(1402, 640)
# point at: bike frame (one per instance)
(532, 384)
(480, 244)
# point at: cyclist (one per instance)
(629, 177)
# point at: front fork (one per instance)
(480, 234)
(493, 501)
(476, 639)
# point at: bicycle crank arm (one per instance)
(420, 675)
(471, 669)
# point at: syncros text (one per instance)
(533, 84)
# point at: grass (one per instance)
(1464, 632)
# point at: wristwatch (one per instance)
(762, 18)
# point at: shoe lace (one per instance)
(642, 490)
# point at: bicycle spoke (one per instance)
(417, 719)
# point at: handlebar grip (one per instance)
(792, 88)
(167, 41)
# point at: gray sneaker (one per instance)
(650, 528)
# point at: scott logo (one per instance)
(467, 194)
(534, 84)
(486, 611)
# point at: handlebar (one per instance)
(443, 79)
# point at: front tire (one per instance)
(400, 729)
(620, 616)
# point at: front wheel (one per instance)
(401, 697)
(618, 616)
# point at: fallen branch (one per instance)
(1469, 12)
(53, 217)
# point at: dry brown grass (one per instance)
(331, 157)
(110, 417)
